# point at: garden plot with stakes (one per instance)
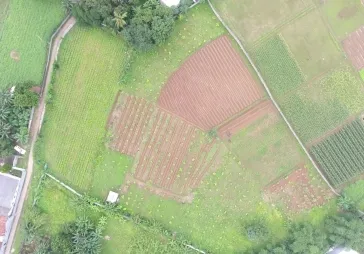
(341, 154)
(296, 192)
(211, 86)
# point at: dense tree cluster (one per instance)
(346, 230)
(144, 25)
(14, 116)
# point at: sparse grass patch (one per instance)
(25, 32)
(361, 72)
(344, 16)
(278, 67)
(311, 44)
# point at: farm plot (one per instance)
(211, 86)
(278, 67)
(340, 155)
(82, 96)
(251, 19)
(235, 125)
(128, 122)
(353, 46)
(167, 163)
(318, 107)
(24, 34)
(296, 192)
(311, 44)
(344, 16)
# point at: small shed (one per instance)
(341, 250)
(113, 197)
(171, 3)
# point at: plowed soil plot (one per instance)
(296, 192)
(128, 122)
(211, 86)
(354, 48)
(238, 123)
(162, 160)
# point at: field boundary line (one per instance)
(272, 98)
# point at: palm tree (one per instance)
(119, 19)
(4, 130)
(4, 112)
(22, 136)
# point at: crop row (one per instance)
(340, 154)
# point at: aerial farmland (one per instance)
(194, 127)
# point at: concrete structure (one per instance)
(171, 3)
(9, 186)
(341, 250)
(112, 197)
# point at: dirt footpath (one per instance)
(36, 125)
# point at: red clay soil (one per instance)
(244, 120)
(162, 157)
(211, 86)
(354, 48)
(128, 122)
(297, 193)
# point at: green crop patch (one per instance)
(340, 155)
(311, 44)
(344, 16)
(279, 69)
(83, 93)
(24, 36)
(318, 107)
(361, 72)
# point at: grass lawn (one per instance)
(278, 67)
(26, 30)
(253, 18)
(318, 107)
(356, 193)
(361, 72)
(4, 4)
(149, 71)
(344, 16)
(311, 44)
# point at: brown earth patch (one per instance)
(15, 55)
(348, 12)
(296, 192)
(354, 48)
(244, 120)
(160, 143)
(211, 86)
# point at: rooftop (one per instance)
(8, 187)
(171, 3)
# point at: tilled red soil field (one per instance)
(211, 86)
(171, 155)
(354, 48)
(297, 193)
(242, 121)
(128, 122)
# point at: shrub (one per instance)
(6, 168)
(256, 231)
(24, 97)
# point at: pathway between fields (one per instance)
(57, 37)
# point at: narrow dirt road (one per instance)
(37, 123)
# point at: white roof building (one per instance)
(341, 250)
(171, 3)
(112, 197)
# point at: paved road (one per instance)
(36, 125)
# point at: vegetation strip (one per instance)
(271, 97)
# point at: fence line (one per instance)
(271, 96)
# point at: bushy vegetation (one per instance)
(24, 36)
(143, 25)
(278, 67)
(14, 117)
(346, 229)
(340, 154)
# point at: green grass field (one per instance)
(25, 31)
(311, 44)
(344, 16)
(260, 17)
